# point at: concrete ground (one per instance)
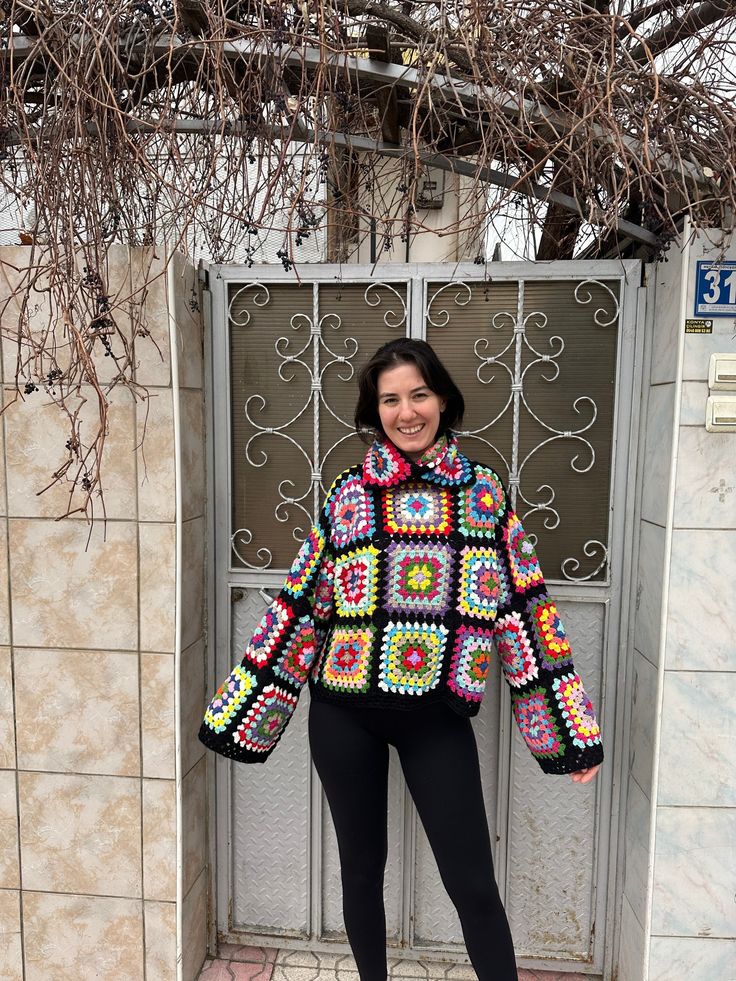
(268, 964)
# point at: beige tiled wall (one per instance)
(88, 666)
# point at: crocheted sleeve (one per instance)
(250, 710)
(553, 713)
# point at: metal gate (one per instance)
(544, 355)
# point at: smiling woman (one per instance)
(408, 409)
(416, 567)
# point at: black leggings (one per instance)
(439, 758)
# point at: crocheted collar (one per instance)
(442, 463)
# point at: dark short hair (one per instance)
(405, 350)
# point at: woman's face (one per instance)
(408, 409)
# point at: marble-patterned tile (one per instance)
(116, 277)
(4, 584)
(158, 586)
(11, 950)
(84, 938)
(658, 453)
(3, 481)
(160, 919)
(7, 715)
(631, 946)
(159, 840)
(650, 582)
(643, 721)
(667, 326)
(189, 322)
(636, 849)
(692, 403)
(80, 834)
(87, 720)
(194, 823)
(696, 958)
(191, 407)
(149, 300)
(156, 457)
(158, 716)
(699, 347)
(193, 581)
(706, 479)
(193, 703)
(693, 872)
(64, 596)
(24, 293)
(194, 928)
(701, 616)
(9, 871)
(698, 737)
(37, 432)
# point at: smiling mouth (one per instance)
(411, 432)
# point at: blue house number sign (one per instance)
(715, 289)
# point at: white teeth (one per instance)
(410, 432)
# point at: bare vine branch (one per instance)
(209, 125)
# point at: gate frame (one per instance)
(215, 279)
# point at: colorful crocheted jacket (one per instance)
(410, 574)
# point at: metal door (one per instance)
(544, 355)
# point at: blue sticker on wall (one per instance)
(715, 289)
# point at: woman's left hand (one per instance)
(585, 776)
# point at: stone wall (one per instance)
(96, 629)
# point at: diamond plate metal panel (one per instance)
(332, 921)
(270, 817)
(552, 827)
(435, 918)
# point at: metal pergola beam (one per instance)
(455, 92)
(464, 94)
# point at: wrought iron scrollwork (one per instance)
(507, 362)
(312, 358)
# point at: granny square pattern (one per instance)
(296, 661)
(346, 664)
(324, 590)
(549, 633)
(417, 509)
(525, 570)
(350, 512)
(414, 570)
(505, 589)
(411, 657)
(481, 505)
(478, 582)
(418, 577)
(269, 632)
(537, 724)
(576, 710)
(471, 659)
(305, 563)
(517, 657)
(356, 582)
(384, 465)
(229, 697)
(265, 720)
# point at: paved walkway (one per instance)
(268, 964)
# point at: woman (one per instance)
(416, 565)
